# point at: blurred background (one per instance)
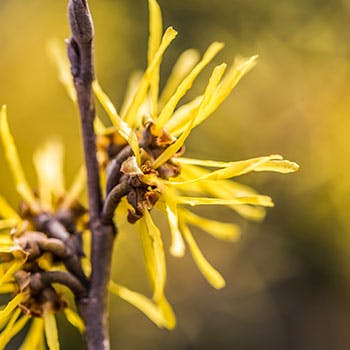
(288, 278)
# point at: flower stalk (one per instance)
(93, 308)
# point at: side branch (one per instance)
(113, 199)
(42, 280)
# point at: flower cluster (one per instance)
(40, 247)
(144, 149)
(142, 163)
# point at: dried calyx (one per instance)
(122, 168)
(51, 247)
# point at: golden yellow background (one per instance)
(288, 278)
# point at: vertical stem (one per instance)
(93, 308)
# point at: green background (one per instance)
(287, 278)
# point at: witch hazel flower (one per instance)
(143, 164)
(42, 258)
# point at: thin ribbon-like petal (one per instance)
(35, 336)
(155, 37)
(140, 95)
(173, 148)
(12, 158)
(48, 162)
(6, 211)
(220, 230)
(208, 271)
(50, 326)
(124, 130)
(154, 252)
(76, 188)
(58, 56)
(177, 245)
(144, 304)
(186, 84)
(185, 63)
(74, 319)
(13, 303)
(253, 200)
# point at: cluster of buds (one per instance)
(43, 259)
(52, 250)
(122, 168)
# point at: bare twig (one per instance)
(93, 308)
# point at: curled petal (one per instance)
(74, 319)
(177, 245)
(208, 271)
(159, 314)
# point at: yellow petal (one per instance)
(7, 288)
(8, 275)
(178, 122)
(5, 238)
(12, 157)
(58, 56)
(14, 330)
(148, 253)
(155, 37)
(48, 161)
(208, 271)
(240, 67)
(124, 130)
(74, 319)
(133, 83)
(8, 223)
(35, 335)
(99, 127)
(6, 211)
(76, 188)
(186, 84)
(152, 69)
(249, 212)
(279, 166)
(6, 334)
(253, 200)
(155, 29)
(145, 305)
(185, 63)
(167, 313)
(223, 189)
(220, 230)
(177, 245)
(173, 148)
(155, 247)
(51, 333)
(86, 264)
(274, 164)
(233, 169)
(12, 304)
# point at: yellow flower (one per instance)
(27, 248)
(144, 147)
